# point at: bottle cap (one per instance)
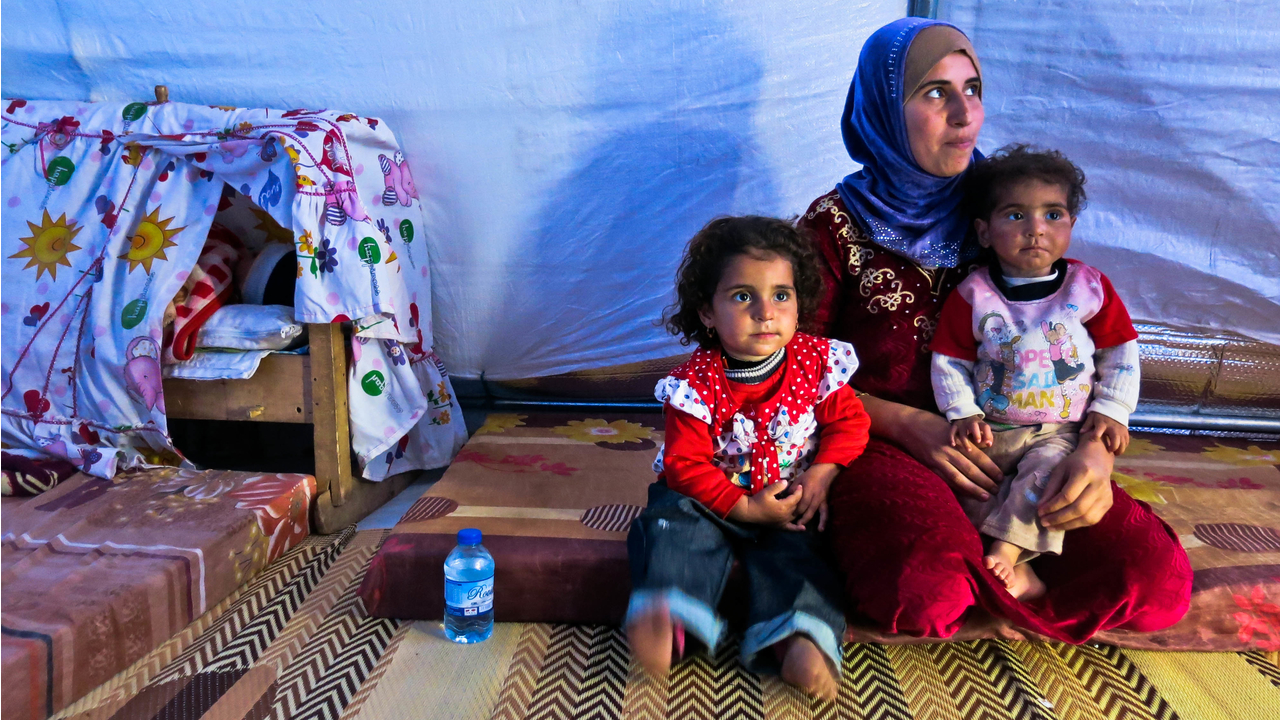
(469, 536)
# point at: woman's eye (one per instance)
(934, 93)
(781, 296)
(742, 296)
(972, 90)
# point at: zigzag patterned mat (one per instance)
(297, 643)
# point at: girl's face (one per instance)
(944, 116)
(754, 310)
(1030, 228)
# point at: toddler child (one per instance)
(1026, 349)
(759, 421)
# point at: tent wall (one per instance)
(565, 151)
(1171, 110)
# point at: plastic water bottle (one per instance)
(468, 590)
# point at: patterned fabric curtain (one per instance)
(107, 207)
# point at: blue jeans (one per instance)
(681, 554)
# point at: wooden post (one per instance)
(331, 426)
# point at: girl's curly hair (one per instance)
(711, 249)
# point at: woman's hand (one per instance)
(764, 508)
(928, 438)
(1084, 477)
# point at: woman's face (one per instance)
(944, 116)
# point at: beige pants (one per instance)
(1026, 454)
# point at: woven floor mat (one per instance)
(297, 643)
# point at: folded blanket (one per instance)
(32, 476)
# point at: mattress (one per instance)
(97, 573)
(554, 495)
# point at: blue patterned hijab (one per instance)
(900, 206)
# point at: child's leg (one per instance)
(1015, 524)
(796, 617)
(1007, 445)
(680, 561)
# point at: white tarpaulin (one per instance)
(1173, 111)
(565, 151)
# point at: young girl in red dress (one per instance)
(759, 422)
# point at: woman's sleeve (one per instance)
(688, 464)
(845, 427)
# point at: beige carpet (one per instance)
(297, 643)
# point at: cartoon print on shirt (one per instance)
(1065, 358)
(1002, 369)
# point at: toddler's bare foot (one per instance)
(1021, 581)
(1001, 569)
(650, 636)
(1030, 584)
(804, 666)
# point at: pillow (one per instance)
(251, 327)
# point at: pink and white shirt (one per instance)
(1036, 361)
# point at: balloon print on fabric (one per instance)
(395, 173)
(48, 245)
(56, 175)
(132, 113)
(142, 372)
(271, 191)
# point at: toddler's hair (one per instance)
(711, 249)
(994, 175)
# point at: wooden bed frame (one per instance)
(310, 389)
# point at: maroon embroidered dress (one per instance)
(912, 561)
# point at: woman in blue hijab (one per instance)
(895, 240)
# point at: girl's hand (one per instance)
(816, 482)
(971, 429)
(1085, 479)
(1114, 435)
(764, 508)
(927, 437)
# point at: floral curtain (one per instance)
(106, 210)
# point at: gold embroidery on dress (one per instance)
(840, 221)
(927, 327)
(871, 278)
(859, 255)
(890, 300)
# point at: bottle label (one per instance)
(467, 599)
